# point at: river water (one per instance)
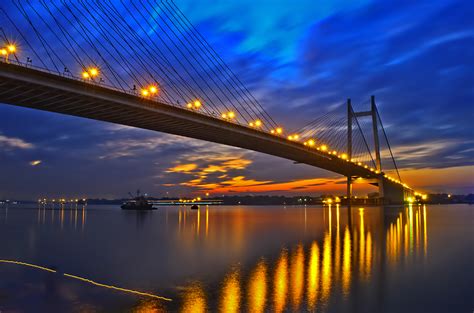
(234, 259)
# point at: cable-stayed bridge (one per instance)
(143, 64)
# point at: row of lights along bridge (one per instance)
(92, 73)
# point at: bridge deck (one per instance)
(40, 90)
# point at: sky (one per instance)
(300, 59)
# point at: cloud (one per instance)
(417, 151)
(240, 184)
(182, 168)
(241, 181)
(9, 143)
(144, 144)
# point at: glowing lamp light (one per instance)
(145, 92)
(4, 52)
(272, 131)
(324, 148)
(94, 72)
(11, 48)
(228, 115)
(153, 89)
(424, 197)
(189, 105)
(85, 75)
(311, 143)
(410, 200)
(256, 123)
(279, 130)
(197, 104)
(344, 156)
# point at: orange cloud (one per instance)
(213, 169)
(182, 168)
(320, 185)
(237, 164)
(240, 181)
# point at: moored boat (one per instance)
(139, 203)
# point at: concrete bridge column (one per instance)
(392, 193)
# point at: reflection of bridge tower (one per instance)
(388, 192)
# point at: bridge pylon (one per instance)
(351, 114)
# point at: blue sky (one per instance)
(300, 59)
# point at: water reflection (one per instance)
(297, 277)
(194, 299)
(280, 282)
(257, 288)
(407, 237)
(354, 246)
(313, 276)
(230, 294)
(294, 259)
(56, 214)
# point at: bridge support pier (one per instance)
(391, 193)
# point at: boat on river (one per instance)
(138, 203)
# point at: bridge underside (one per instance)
(40, 90)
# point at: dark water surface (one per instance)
(233, 259)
